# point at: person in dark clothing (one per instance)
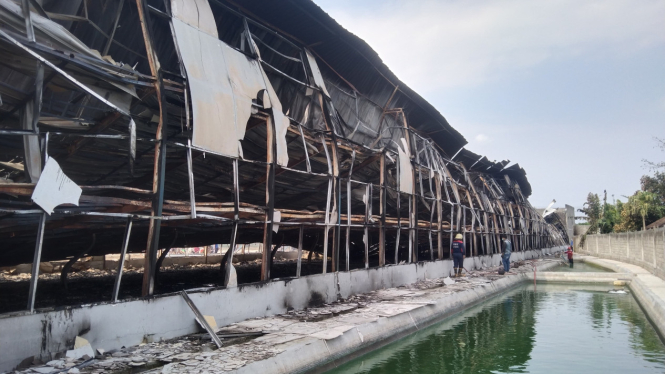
(459, 253)
(506, 249)
(569, 252)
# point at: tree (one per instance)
(611, 216)
(641, 203)
(592, 209)
(655, 185)
(656, 165)
(627, 220)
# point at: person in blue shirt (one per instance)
(506, 249)
(459, 253)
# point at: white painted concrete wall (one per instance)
(641, 248)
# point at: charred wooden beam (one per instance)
(160, 153)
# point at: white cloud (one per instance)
(482, 138)
(434, 44)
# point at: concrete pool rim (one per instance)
(322, 355)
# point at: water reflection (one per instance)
(553, 329)
(641, 335)
(580, 267)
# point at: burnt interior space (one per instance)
(105, 89)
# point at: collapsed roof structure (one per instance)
(149, 124)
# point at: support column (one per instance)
(234, 230)
(270, 201)
(121, 260)
(348, 211)
(300, 236)
(36, 260)
(382, 210)
(159, 172)
(368, 215)
(439, 209)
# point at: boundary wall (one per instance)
(107, 325)
(642, 248)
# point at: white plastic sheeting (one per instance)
(196, 13)
(55, 188)
(405, 169)
(316, 73)
(212, 96)
(281, 124)
(223, 83)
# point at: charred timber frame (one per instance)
(444, 197)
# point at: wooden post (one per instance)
(300, 235)
(382, 210)
(368, 214)
(190, 174)
(439, 209)
(160, 155)
(234, 230)
(270, 200)
(328, 213)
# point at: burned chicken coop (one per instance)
(137, 126)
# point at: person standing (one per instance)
(506, 249)
(459, 253)
(569, 252)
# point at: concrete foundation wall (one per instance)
(641, 248)
(129, 322)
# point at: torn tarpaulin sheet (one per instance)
(405, 169)
(55, 188)
(196, 13)
(213, 111)
(281, 124)
(316, 73)
(223, 83)
(276, 219)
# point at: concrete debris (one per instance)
(56, 363)
(211, 322)
(80, 342)
(43, 369)
(82, 350)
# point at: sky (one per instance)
(573, 91)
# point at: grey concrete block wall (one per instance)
(641, 248)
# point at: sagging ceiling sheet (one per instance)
(222, 82)
(405, 168)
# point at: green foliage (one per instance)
(642, 203)
(655, 185)
(628, 221)
(610, 218)
(592, 210)
(641, 209)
